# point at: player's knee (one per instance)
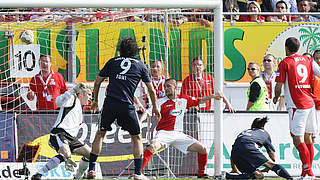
(136, 138)
(101, 134)
(202, 149)
(152, 148)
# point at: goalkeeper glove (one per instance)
(70, 165)
(78, 88)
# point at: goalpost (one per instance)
(88, 48)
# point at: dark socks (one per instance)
(281, 171)
(239, 176)
(92, 161)
(137, 166)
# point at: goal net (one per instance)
(79, 42)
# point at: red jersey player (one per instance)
(46, 85)
(169, 129)
(296, 73)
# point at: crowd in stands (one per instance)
(137, 15)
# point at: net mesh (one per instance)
(79, 43)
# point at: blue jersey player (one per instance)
(124, 73)
(245, 153)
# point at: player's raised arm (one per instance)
(96, 90)
(153, 97)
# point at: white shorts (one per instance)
(303, 121)
(176, 139)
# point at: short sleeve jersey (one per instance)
(48, 89)
(296, 73)
(124, 75)
(193, 87)
(172, 112)
(257, 136)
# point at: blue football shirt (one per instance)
(124, 75)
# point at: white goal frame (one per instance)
(204, 4)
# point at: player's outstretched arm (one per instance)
(96, 89)
(153, 98)
(216, 96)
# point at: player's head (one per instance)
(268, 62)
(292, 45)
(85, 97)
(45, 63)
(316, 56)
(197, 66)
(253, 69)
(259, 122)
(156, 68)
(128, 47)
(170, 88)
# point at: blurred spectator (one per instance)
(203, 19)
(253, 6)
(269, 77)
(231, 6)
(282, 7)
(200, 84)
(258, 92)
(304, 6)
(158, 78)
(173, 17)
(271, 5)
(316, 83)
(46, 86)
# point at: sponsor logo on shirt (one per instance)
(176, 112)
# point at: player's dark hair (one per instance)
(171, 79)
(128, 47)
(259, 122)
(292, 44)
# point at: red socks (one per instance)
(202, 162)
(305, 158)
(146, 158)
(311, 151)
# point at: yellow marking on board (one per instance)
(47, 151)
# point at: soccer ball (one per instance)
(27, 37)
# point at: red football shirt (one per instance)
(47, 90)
(172, 112)
(158, 86)
(194, 87)
(296, 73)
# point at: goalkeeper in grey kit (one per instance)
(63, 134)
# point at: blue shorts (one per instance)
(124, 113)
(247, 157)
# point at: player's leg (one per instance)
(96, 149)
(202, 157)
(58, 142)
(254, 175)
(278, 169)
(310, 133)
(297, 123)
(150, 150)
(128, 120)
(107, 118)
(84, 162)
